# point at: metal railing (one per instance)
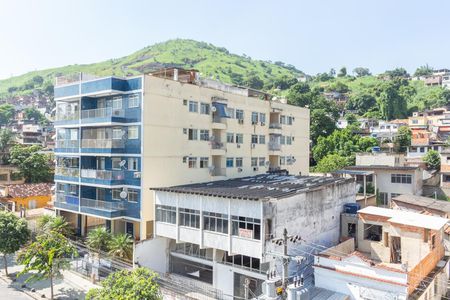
(105, 143)
(103, 205)
(102, 174)
(72, 78)
(61, 201)
(274, 146)
(274, 126)
(66, 116)
(67, 143)
(71, 172)
(102, 113)
(217, 146)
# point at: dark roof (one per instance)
(424, 202)
(29, 190)
(382, 167)
(257, 187)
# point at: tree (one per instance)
(403, 139)
(48, 223)
(425, 70)
(299, 94)
(121, 245)
(322, 124)
(5, 140)
(397, 72)
(31, 113)
(38, 80)
(360, 72)
(47, 257)
(361, 102)
(139, 283)
(33, 165)
(98, 239)
(351, 119)
(433, 160)
(331, 163)
(391, 103)
(14, 233)
(342, 72)
(253, 81)
(6, 113)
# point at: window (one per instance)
(262, 139)
(254, 161)
(133, 101)
(282, 160)
(415, 121)
(192, 162)
(282, 140)
(401, 178)
(283, 119)
(192, 134)
(116, 194)
(289, 120)
(230, 162)
(73, 189)
(383, 198)
(204, 135)
(254, 117)
(422, 149)
(433, 241)
(246, 227)
(133, 164)
(185, 102)
(117, 133)
(239, 114)
(372, 232)
(230, 112)
(230, 137)
(215, 222)
(262, 161)
(204, 162)
(133, 195)
(262, 118)
(239, 161)
(115, 161)
(204, 108)
(117, 103)
(166, 214)
(133, 132)
(239, 138)
(254, 139)
(288, 140)
(189, 217)
(193, 106)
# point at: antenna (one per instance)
(123, 194)
(122, 163)
(213, 109)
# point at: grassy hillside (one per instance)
(210, 60)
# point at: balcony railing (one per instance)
(67, 143)
(69, 172)
(274, 147)
(66, 116)
(106, 143)
(103, 205)
(274, 126)
(66, 201)
(107, 112)
(217, 145)
(102, 174)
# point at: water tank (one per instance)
(351, 208)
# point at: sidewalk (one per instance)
(71, 286)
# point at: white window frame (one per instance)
(192, 105)
(116, 160)
(117, 102)
(133, 101)
(135, 134)
(132, 161)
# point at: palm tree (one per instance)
(98, 239)
(47, 223)
(121, 245)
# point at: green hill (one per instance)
(210, 60)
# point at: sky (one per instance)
(313, 35)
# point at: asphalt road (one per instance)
(10, 293)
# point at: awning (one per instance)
(221, 110)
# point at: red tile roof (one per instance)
(29, 189)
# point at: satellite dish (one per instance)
(122, 163)
(123, 194)
(213, 109)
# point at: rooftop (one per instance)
(406, 217)
(265, 186)
(382, 167)
(424, 202)
(28, 189)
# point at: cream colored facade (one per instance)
(168, 153)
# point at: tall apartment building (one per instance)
(117, 137)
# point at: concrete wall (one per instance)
(385, 185)
(153, 254)
(385, 159)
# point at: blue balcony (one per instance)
(106, 177)
(67, 119)
(68, 202)
(67, 146)
(107, 209)
(102, 115)
(102, 145)
(67, 174)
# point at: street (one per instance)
(10, 293)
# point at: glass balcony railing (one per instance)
(67, 143)
(103, 205)
(69, 172)
(66, 116)
(66, 201)
(107, 112)
(217, 146)
(102, 143)
(102, 174)
(274, 126)
(274, 147)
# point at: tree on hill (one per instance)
(360, 72)
(403, 139)
(6, 113)
(433, 160)
(140, 283)
(6, 137)
(425, 70)
(331, 163)
(38, 80)
(33, 165)
(31, 113)
(253, 81)
(14, 234)
(391, 104)
(361, 102)
(397, 72)
(351, 119)
(342, 72)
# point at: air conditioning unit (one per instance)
(238, 145)
(255, 168)
(116, 113)
(241, 121)
(254, 122)
(239, 169)
(137, 175)
(253, 145)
